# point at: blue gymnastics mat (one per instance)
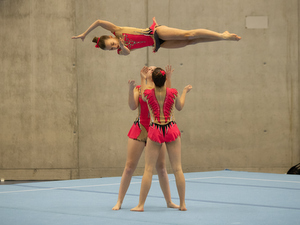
(221, 197)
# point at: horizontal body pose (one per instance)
(127, 39)
(137, 138)
(163, 129)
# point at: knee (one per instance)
(189, 35)
(129, 168)
(148, 169)
(177, 169)
(161, 169)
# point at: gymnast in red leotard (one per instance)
(130, 38)
(137, 137)
(163, 129)
(140, 127)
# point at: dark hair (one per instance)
(101, 43)
(159, 77)
(295, 169)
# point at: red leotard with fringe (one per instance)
(163, 127)
(140, 127)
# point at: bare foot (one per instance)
(182, 207)
(172, 205)
(138, 209)
(228, 36)
(117, 206)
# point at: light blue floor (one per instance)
(221, 197)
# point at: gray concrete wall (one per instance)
(38, 91)
(63, 103)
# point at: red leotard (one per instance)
(135, 38)
(163, 127)
(140, 127)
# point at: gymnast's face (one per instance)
(111, 44)
(150, 71)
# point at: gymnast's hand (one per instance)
(81, 36)
(144, 72)
(131, 84)
(187, 88)
(169, 71)
(124, 49)
(121, 42)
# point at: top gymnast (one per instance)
(129, 38)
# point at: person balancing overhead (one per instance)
(127, 39)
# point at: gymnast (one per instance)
(162, 129)
(137, 140)
(127, 39)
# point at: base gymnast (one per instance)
(137, 137)
(127, 39)
(163, 129)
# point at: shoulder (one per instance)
(148, 91)
(137, 89)
(172, 91)
(118, 31)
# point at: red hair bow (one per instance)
(97, 46)
(163, 72)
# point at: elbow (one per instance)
(179, 105)
(179, 108)
(132, 108)
(126, 53)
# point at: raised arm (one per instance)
(179, 103)
(133, 97)
(102, 23)
(169, 72)
(143, 74)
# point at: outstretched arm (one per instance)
(133, 98)
(180, 100)
(169, 72)
(102, 23)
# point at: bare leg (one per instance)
(168, 33)
(163, 177)
(183, 43)
(174, 150)
(134, 151)
(151, 156)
